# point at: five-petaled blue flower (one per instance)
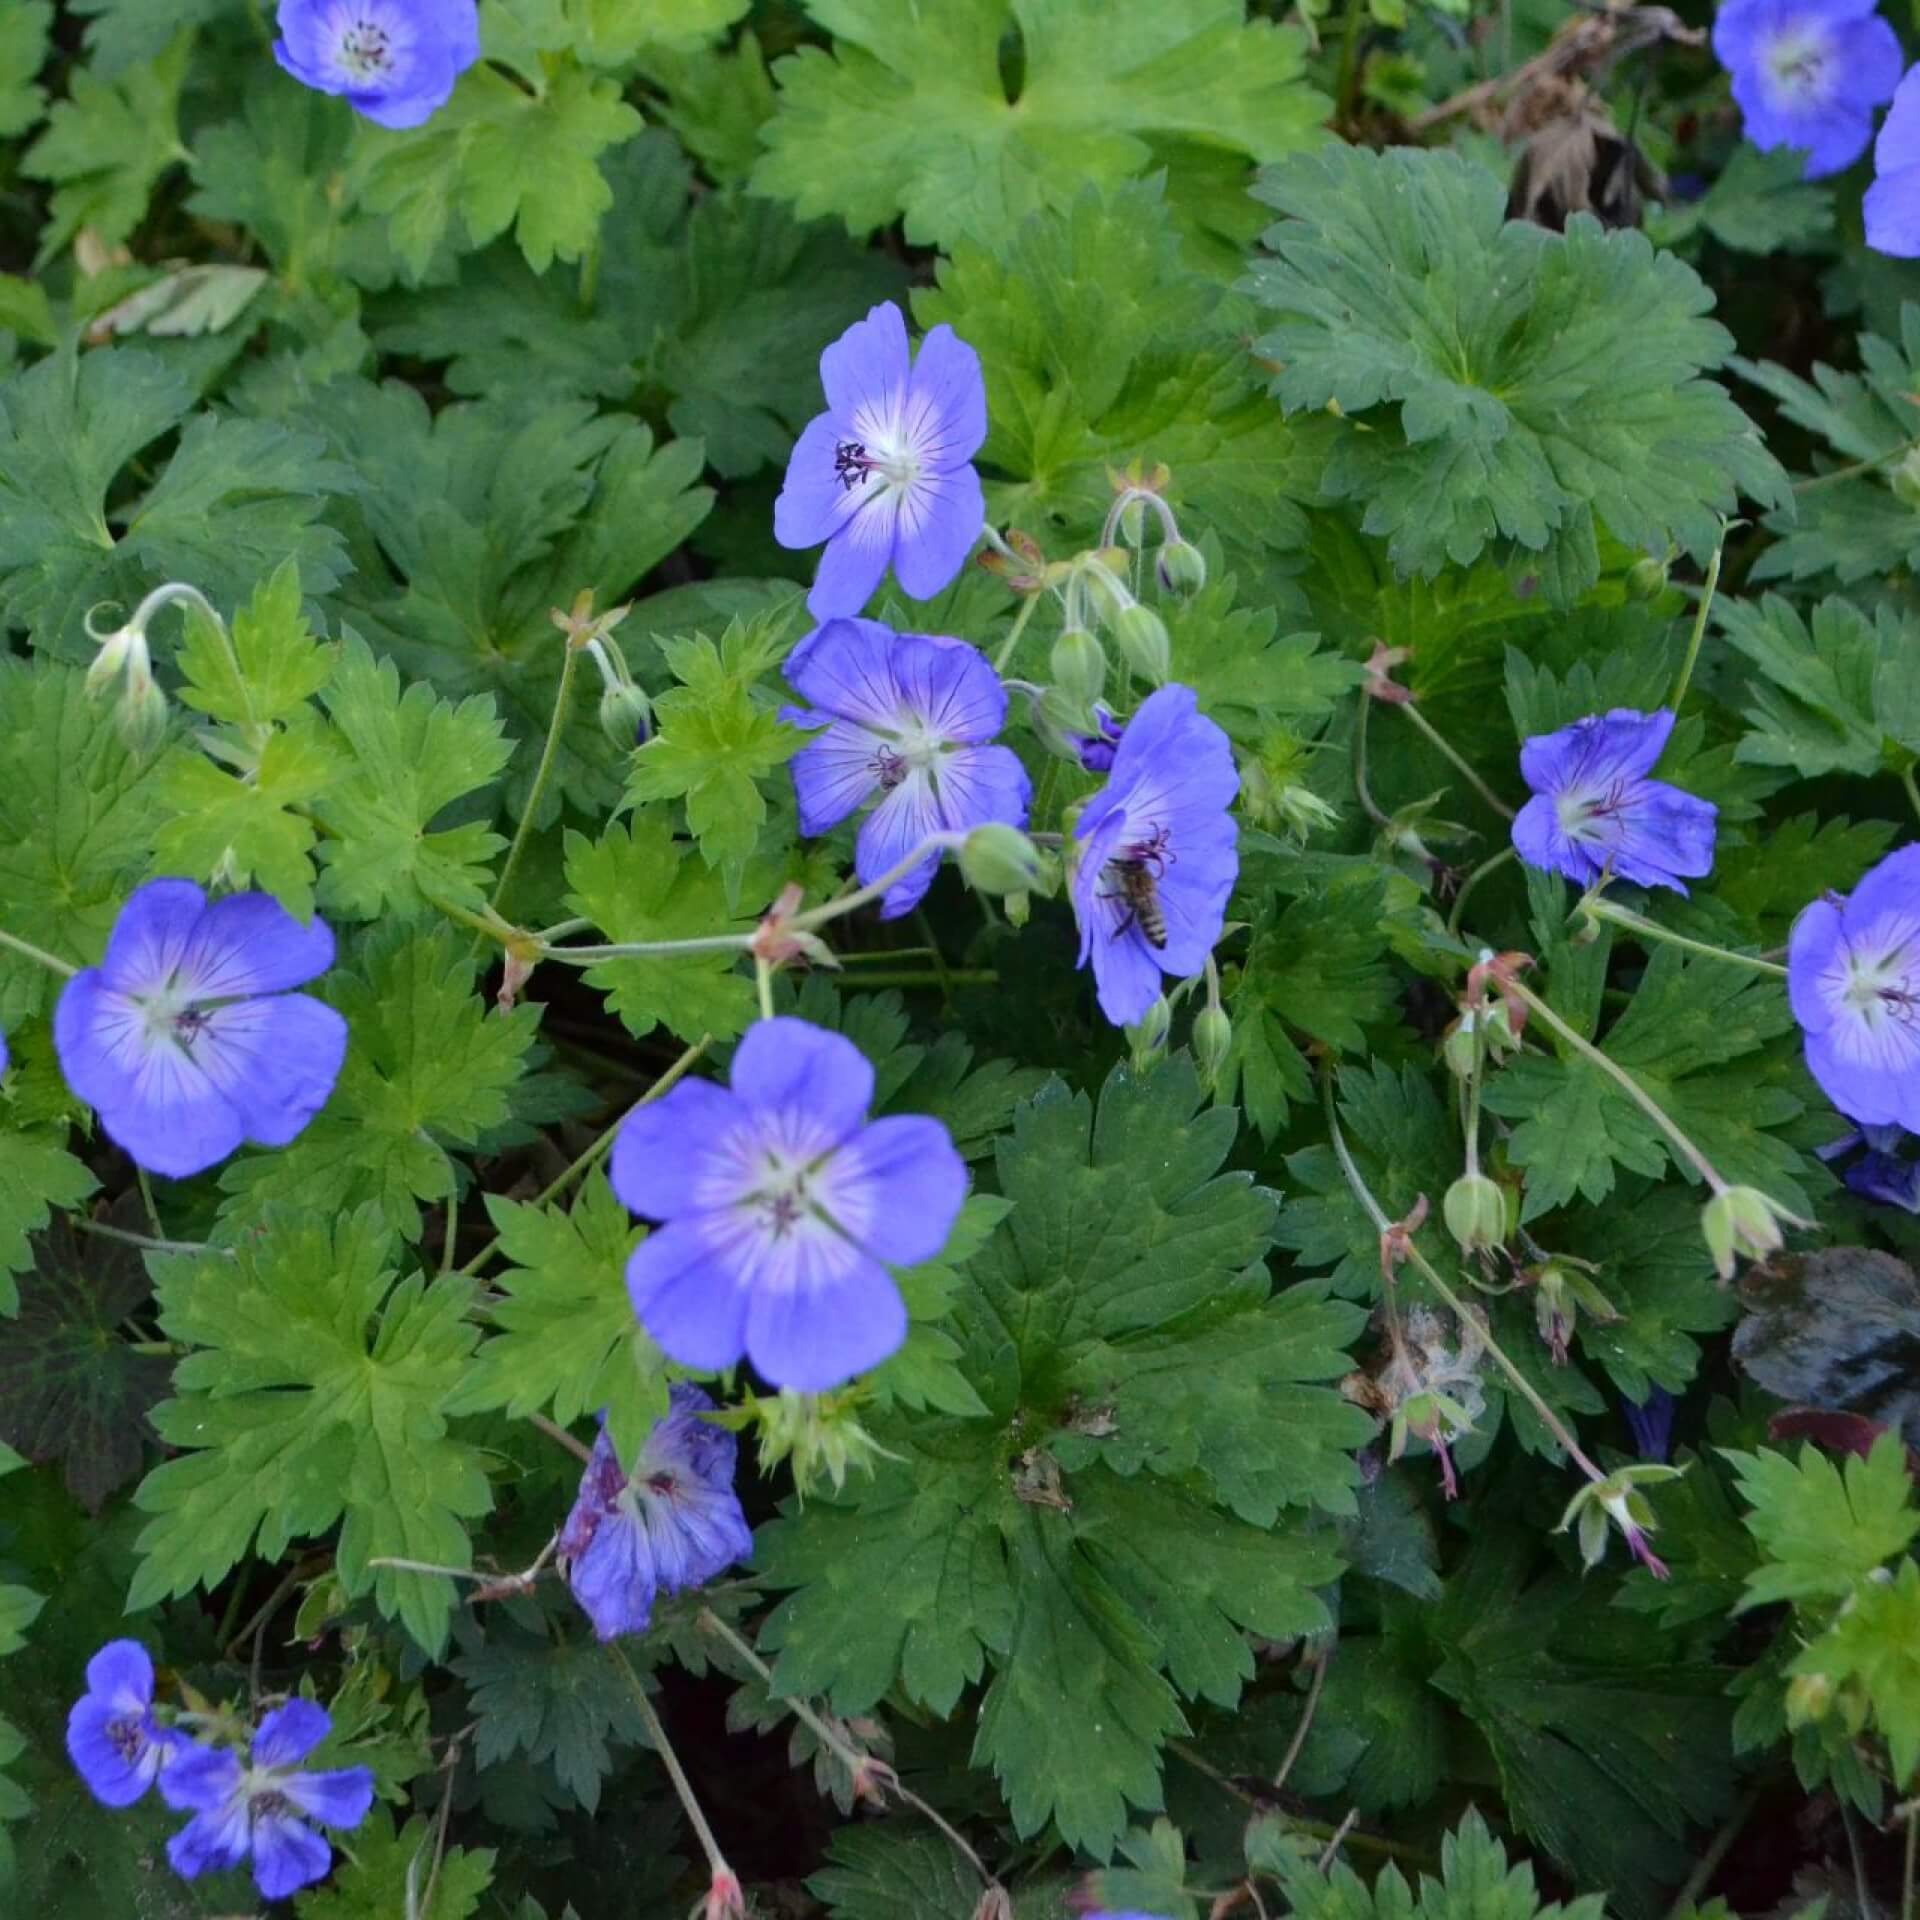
(1157, 855)
(112, 1738)
(1596, 811)
(673, 1522)
(262, 1808)
(185, 1040)
(784, 1209)
(907, 717)
(1892, 205)
(885, 473)
(1809, 73)
(395, 60)
(1853, 976)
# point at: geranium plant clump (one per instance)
(957, 960)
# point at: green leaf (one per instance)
(636, 882)
(1502, 387)
(568, 1342)
(122, 33)
(314, 1394)
(1101, 1597)
(717, 736)
(1687, 1025)
(1759, 203)
(71, 1387)
(1078, 384)
(1822, 1530)
(1475, 1883)
(882, 1872)
(501, 156)
(24, 31)
(557, 1701)
(37, 1174)
(1875, 1644)
(387, 1873)
(268, 665)
(235, 499)
(944, 142)
(1830, 697)
(106, 145)
(1769, 880)
(413, 756)
(427, 1069)
(19, 1608)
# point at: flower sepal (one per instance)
(1616, 1501)
(1741, 1222)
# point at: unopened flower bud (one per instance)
(1001, 859)
(626, 715)
(1018, 907)
(819, 1434)
(1475, 1210)
(1741, 1221)
(1142, 638)
(1079, 667)
(1212, 1041)
(1181, 566)
(142, 714)
(1647, 578)
(1149, 1034)
(121, 649)
(1809, 1698)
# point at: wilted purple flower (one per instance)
(1595, 811)
(1650, 1421)
(884, 474)
(908, 717)
(395, 60)
(673, 1522)
(782, 1204)
(1881, 1174)
(112, 1738)
(1892, 205)
(1808, 73)
(1853, 976)
(257, 1809)
(1096, 750)
(1158, 854)
(184, 1039)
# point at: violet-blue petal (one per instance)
(866, 372)
(112, 1739)
(1651, 1422)
(831, 1312)
(939, 520)
(660, 1154)
(275, 1060)
(846, 668)
(335, 1796)
(1886, 1179)
(898, 1187)
(791, 1065)
(854, 561)
(947, 399)
(1808, 74)
(287, 1855)
(248, 943)
(690, 1291)
(290, 1732)
(211, 1841)
(1892, 204)
(201, 1780)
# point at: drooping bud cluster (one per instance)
(626, 715)
(124, 658)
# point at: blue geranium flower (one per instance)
(907, 717)
(784, 1209)
(673, 1522)
(885, 474)
(1809, 73)
(1157, 854)
(1881, 1173)
(1853, 977)
(185, 1039)
(1596, 811)
(113, 1739)
(394, 60)
(262, 1809)
(1892, 204)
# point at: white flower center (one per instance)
(1585, 811)
(170, 1016)
(887, 452)
(1797, 64)
(365, 51)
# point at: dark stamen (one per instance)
(850, 463)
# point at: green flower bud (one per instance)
(997, 858)
(1142, 638)
(1182, 567)
(1475, 1211)
(1742, 1221)
(142, 714)
(1647, 578)
(626, 715)
(1133, 522)
(121, 651)
(1212, 1041)
(1018, 907)
(1079, 668)
(1809, 1698)
(1149, 1035)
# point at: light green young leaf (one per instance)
(303, 1405)
(1875, 1645)
(413, 756)
(1823, 1530)
(921, 100)
(24, 29)
(428, 1069)
(1502, 386)
(372, 1882)
(273, 665)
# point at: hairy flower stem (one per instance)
(1431, 1274)
(1601, 908)
(1442, 745)
(1492, 864)
(146, 1242)
(587, 1160)
(763, 985)
(1627, 1084)
(861, 1765)
(657, 1733)
(1360, 788)
(1699, 627)
(1014, 632)
(40, 954)
(542, 775)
